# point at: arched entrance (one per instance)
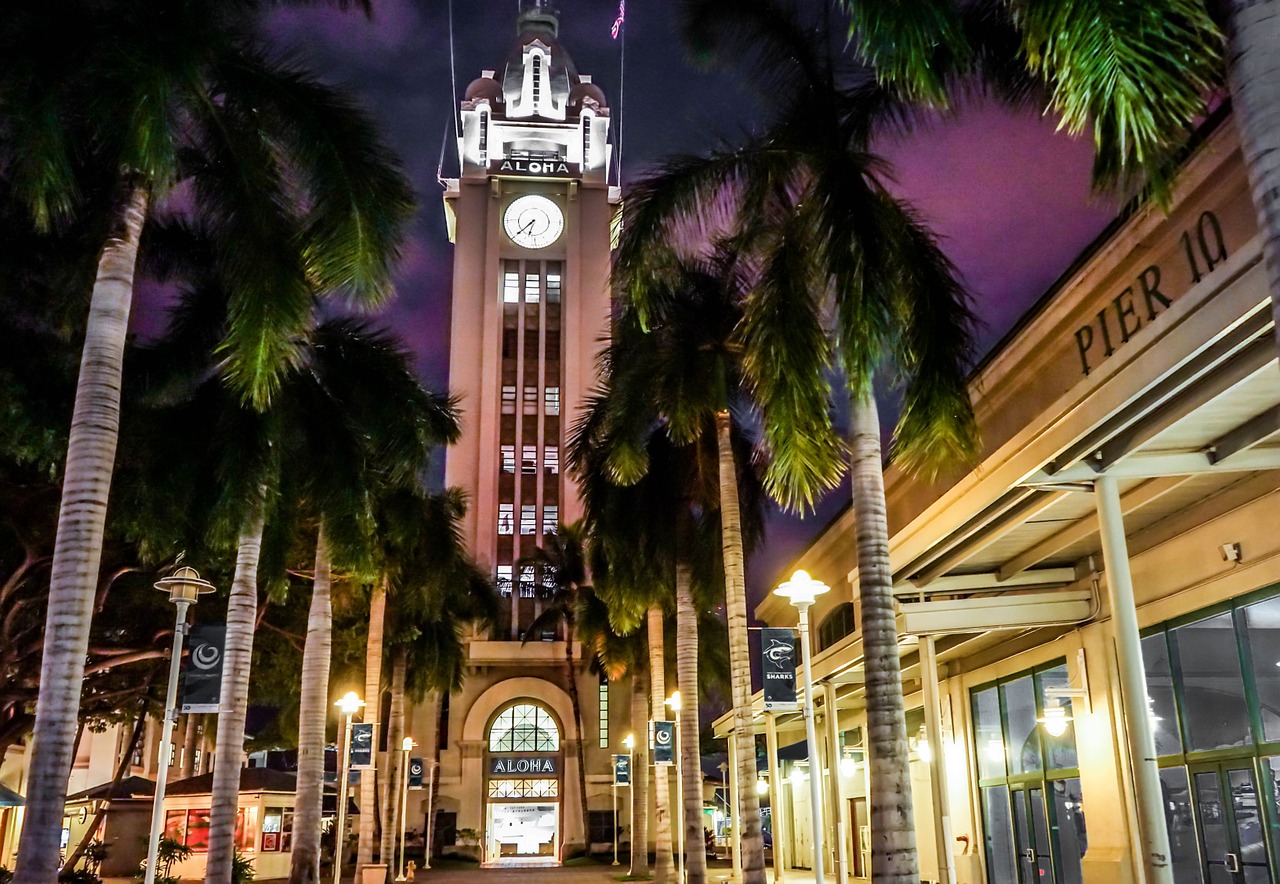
(524, 765)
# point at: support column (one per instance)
(735, 830)
(779, 810)
(938, 769)
(840, 811)
(1133, 683)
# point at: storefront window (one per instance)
(998, 825)
(1163, 712)
(1217, 716)
(989, 733)
(198, 830)
(1181, 825)
(1022, 736)
(1262, 629)
(1068, 828)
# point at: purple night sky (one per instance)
(1008, 196)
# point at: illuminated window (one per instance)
(484, 136)
(553, 283)
(527, 589)
(506, 518)
(508, 400)
(529, 459)
(528, 515)
(586, 140)
(539, 788)
(552, 396)
(536, 63)
(530, 400)
(524, 728)
(532, 288)
(504, 580)
(551, 458)
(604, 713)
(508, 458)
(511, 287)
(550, 518)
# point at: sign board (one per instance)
(416, 768)
(778, 665)
(622, 770)
(523, 765)
(362, 745)
(664, 741)
(202, 670)
(542, 167)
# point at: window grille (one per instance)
(524, 728)
(528, 515)
(553, 283)
(532, 288)
(550, 518)
(506, 518)
(529, 459)
(540, 788)
(526, 582)
(530, 400)
(504, 580)
(511, 287)
(508, 458)
(537, 79)
(604, 713)
(509, 399)
(484, 136)
(552, 397)
(551, 459)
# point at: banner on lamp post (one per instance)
(417, 767)
(361, 746)
(202, 671)
(622, 770)
(663, 741)
(778, 665)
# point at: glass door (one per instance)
(1031, 834)
(1232, 827)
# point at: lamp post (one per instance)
(185, 588)
(673, 702)
(431, 788)
(406, 746)
(801, 590)
(349, 704)
(630, 742)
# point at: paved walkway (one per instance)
(565, 875)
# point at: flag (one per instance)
(202, 675)
(622, 17)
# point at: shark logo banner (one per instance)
(362, 746)
(663, 735)
(416, 767)
(622, 770)
(778, 663)
(202, 670)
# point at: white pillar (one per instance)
(938, 767)
(811, 741)
(1133, 684)
(735, 828)
(778, 810)
(841, 808)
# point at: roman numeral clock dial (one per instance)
(533, 222)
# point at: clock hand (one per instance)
(529, 227)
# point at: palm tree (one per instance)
(372, 709)
(838, 272)
(183, 97)
(560, 570)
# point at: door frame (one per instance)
(1266, 809)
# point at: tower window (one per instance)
(537, 79)
(530, 400)
(532, 288)
(550, 518)
(508, 458)
(526, 582)
(529, 459)
(506, 518)
(586, 140)
(553, 285)
(551, 458)
(552, 396)
(604, 713)
(504, 580)
(484, 136)
(509, 399)
(511, 287)
(528, 518)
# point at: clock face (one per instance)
(533, 222)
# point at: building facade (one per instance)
(530, 217)
(1130, 440)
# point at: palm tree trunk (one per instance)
(372, 709)
(395, 735)
(690, 748)
(189, 747)
(571, 676)
(893, 836)
(242, 609)
(639, 778)
(77, 553)
(1253, 74)
(661, 776)
(313, 709)
(735, 587)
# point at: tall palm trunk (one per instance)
(431, 753)
(571, 677)
(639, 778)
(189, 747)
(735, 590)
(77, 552)
(372, 709)
(893, 837)
(395, 736)
(242, 609)
(1254, 77)
(690, 746)
(313, 710)
(661, 776)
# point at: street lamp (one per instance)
(801, 590)
(406, 746)
(630, 742)
(673, 703)
(185, 588)
(429, 835)
(349, 705)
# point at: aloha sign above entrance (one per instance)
(550, 167)
(523, 765)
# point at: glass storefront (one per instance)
(1213, 687)
(524, 763)
(1032, 806)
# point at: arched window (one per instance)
(835, 626)
(524, 728)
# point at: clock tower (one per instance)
(531, 218)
